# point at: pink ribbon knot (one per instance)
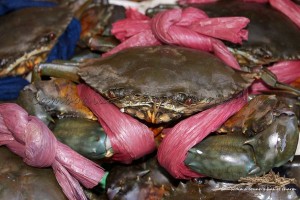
(29, 138)
(189, 27)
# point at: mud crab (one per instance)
(28, 35)
(143, 86)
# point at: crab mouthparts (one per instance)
(154, 114)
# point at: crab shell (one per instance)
(272, 36)
(27, 36)
(163, 83)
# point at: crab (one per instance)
(158, 90)
(28, 35)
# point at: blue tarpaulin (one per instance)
(10, 87)
(64, 49)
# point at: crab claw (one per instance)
(271, 80)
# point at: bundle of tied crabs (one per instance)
(178, 82)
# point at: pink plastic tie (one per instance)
(31, 139)
(129, 138)
(189, 27)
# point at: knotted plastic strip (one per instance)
(286, 72)
(189, 27)
(189, 132)
(129, 138)
(31, 139)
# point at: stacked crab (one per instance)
(171, 94)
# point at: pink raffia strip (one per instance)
(129, 138)
(174, 147)
(287, 7)
(31, 139)
(189, 27)
(286, 72)
(133, 31)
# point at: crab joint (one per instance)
(271, 79)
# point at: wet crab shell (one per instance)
(27, 36)
(272, 36)
(163, 83)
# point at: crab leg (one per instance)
(271, 80)
(76, 125)
(84, 136)
(67, 70)
(284, 72)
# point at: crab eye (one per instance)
(47, 38)
(188, 101)
(120, 92)
(3, 62)
(181, 97)
(52, 36)
(111, 94)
